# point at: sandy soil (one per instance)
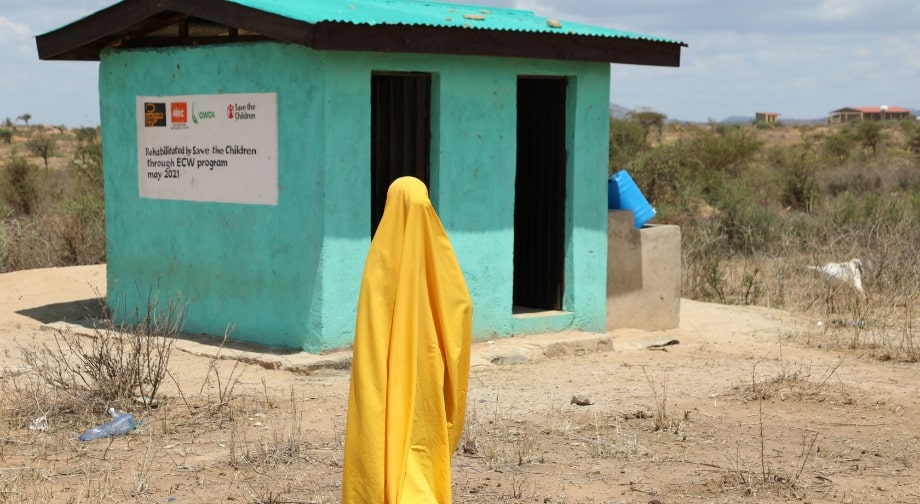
(740, 404)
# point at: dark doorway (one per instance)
(539, 194)
(400, 133)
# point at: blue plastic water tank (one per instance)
(623, 194)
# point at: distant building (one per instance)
(881, 113)
(765, 117)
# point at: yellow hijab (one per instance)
(411, 361)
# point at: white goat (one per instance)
(839, 274)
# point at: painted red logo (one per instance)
(230, 111)
(178, 112)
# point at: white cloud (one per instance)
(15, 39)
(839, 9)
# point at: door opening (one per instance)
(400, 133)
(539, 194)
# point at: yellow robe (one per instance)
(410, 367)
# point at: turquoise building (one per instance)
(248, 145)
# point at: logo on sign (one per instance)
(230, 111)
(154, 114)
(178, 112)
(200, 115)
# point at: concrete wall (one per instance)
(643, 274)
(288, 275)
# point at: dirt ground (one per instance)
(740, 404)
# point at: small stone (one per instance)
(552, 23)
(147, 401)
(581, 400)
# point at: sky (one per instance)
(798, 58)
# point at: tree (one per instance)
(41, 145)
(648, 119)
(869, 134)
(25, 118)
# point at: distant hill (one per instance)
(783, 120)
(737, 120)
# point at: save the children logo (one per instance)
(154, 114)
(241, 111)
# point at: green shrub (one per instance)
(912, 143)
(18, 185)
(748, 226)
(798, 169)
(627, 140)
(839, 145)
(649, 120)
(721, 148)
(666, 179)
(696, 168)
(6, 135)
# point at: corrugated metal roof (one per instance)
(435, 14)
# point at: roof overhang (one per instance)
(160, 23)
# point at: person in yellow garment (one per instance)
(411, 360)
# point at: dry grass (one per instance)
(264, 443)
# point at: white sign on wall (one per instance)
(221, 148)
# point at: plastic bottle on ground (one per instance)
(121, 423)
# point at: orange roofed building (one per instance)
(765, 117)
(881, 113)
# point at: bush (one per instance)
(6, 135)
(912, 143)
(723, 149)
(81, 226)
(664, 179)
(649, 120)
(799, 185)
(18, 185)
(116, 365)
(627, 140)
(87, 161)
(748, 226)
(698, 167)
(839, 145)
